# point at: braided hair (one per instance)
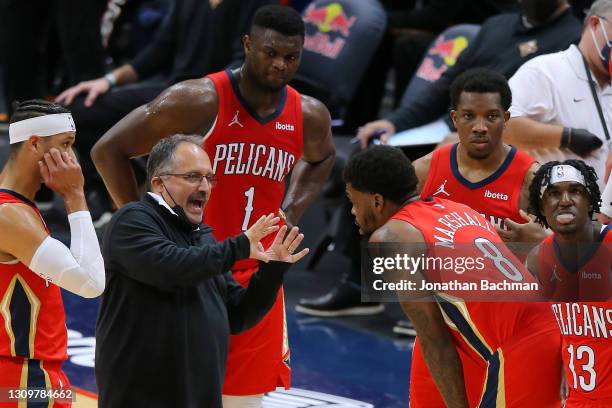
(30, 109)
(542, 177)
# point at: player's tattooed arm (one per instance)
(318, 156)
(189, 107)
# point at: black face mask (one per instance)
(538, 11)
(180, 212)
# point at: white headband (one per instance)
(564, 172)
(47, 125)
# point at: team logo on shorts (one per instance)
(302, 399)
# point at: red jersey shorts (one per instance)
(22, 374)
(258, 359)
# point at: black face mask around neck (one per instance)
(180, 212)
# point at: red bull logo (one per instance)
(448, 51)
(330, 18)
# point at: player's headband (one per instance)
(561, 173)
(43, 126)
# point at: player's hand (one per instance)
(580, 141)
(379, 128)
(530, 231)
(264, 226)
(62, 173)
(93, 89)
(285, 244)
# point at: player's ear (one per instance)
(33, 143)
(506, 117)
(379, 201)
(246, 43)
(453, 115)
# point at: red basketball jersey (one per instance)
(586, 326)
(250, 156)
(483, 331)
(588, 280)
(496, 197)
(32, 320)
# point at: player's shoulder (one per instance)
(192, 92)
(396, 230)
(312, 108)
(15, 215)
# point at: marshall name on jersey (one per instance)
(254, 159)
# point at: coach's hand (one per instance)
(93, 89)
(379, 128)
(264, 226)
(283, 247)
(580, 141)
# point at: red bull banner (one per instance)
(332, 27)
(441, 56)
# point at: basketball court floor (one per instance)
(341, 363)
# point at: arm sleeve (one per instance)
(80, 269)
(137, 244)
(247, 306)
(159, 54)
(531, 94)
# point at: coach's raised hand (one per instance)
(264, 226)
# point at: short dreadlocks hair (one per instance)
(542, 177)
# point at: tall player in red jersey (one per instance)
(33, 265)
(481, 171)
(575, 264)
(256, 130)
(477, 353)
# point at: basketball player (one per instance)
(481, 354)
(481, 171)
(574, 264)
(257, 129)
(33, 266)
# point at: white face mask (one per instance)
(604, 52)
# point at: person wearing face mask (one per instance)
(33, 265)
(162, 335)
(562, 103)
(504, 43)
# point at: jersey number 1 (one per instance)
(248, 208)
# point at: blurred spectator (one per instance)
(196, 38)
(410, 32)
(562, 102)
(503, 44)
(27, 27)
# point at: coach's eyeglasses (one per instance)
(194, 178)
